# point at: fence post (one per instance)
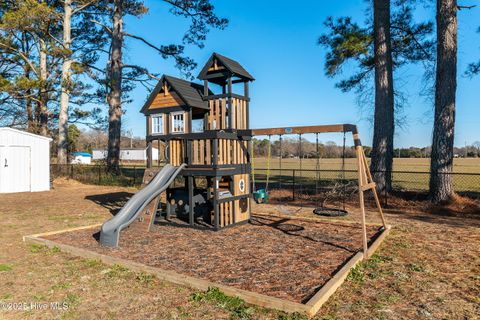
(99, 175)
(385, 197)
(134, 175)
(293, 185)
(71, 171)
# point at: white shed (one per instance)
(127, 154)
(24, 161)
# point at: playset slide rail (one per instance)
(110, 232)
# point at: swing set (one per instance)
(364, 177)
(261, 195)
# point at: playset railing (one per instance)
(207, 152)
(219, 117)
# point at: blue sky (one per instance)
(276, 42)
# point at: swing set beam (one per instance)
(306, 129)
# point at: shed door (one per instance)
(14, 169)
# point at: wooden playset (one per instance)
(210, 134)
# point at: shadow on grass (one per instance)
(113, 201)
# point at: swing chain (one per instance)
(253, 165)
(268, 161)
(280, 162)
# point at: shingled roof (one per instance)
(233, 66)
(191, 93)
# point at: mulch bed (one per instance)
(280, 257)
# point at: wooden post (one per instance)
(205, 88)
(159, 153)
(230, 113)
(358, 149)
(190, 201)
(232, 191)
(215, 152)
(148, 125)
(167, 151)
(374, 189)
(149, 154)
(247, 112)
(190, 116)
(215, 204)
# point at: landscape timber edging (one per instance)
(310, 308)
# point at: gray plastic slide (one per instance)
(110, 233)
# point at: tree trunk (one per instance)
(383, 130)
(43, 94)
(115, 94)
(441, 185)
(28, 100)
(62, 143)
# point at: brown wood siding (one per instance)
(170, 100)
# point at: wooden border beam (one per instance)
(309, 308)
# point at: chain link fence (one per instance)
(336, 184)
(96, 174)
(293, 184)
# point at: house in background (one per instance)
(81, 158)
(131, 154)
(24, 161)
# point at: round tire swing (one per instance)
(324, 210)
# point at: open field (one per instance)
(425, 269)
(461, 165)
(409, 174)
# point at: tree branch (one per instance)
(102, 25)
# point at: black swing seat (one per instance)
(330, 212)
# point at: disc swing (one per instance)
(323, 210)
(261, 195)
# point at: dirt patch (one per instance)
(279, 257)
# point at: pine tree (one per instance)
(441, 184)
(79, 55)
(119, 75)
(386, 43)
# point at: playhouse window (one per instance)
(157, 123)
(178, 122)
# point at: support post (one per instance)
(168, 209)
(374, 190)
(232, 191)
(293, 185)
(149, 154)
(190, 201)
(190, 117)
(361, 173)
(205, 88)
(167, 123)
(215, 204)
(247, 107)
(159, 152)
(229, 102)
(215, 152)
